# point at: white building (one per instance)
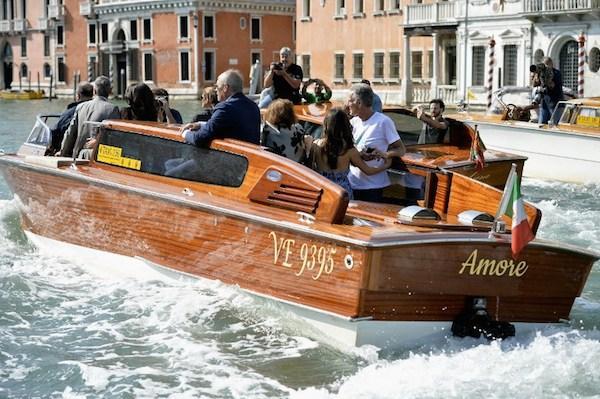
(524, 31)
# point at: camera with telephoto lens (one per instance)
(278, 66)
(544, 73)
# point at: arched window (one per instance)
(24, 71)
(47, 70)
(568, 64)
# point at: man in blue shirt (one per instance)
(235, 116)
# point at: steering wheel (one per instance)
(513, 112)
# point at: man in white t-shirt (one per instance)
(375, 136)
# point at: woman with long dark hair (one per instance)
(142, 105)
(333, 154)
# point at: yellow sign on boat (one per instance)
(112, 155)
(588, 121)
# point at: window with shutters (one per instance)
(478, 66)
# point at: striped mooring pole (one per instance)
(490, 77)
(580, 68)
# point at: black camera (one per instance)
(278, 66)
(544, 73)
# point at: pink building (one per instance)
(181, 45)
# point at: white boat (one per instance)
(568, 151)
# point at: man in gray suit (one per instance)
(78, 137)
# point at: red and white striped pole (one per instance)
(490, 80)
(580, 69)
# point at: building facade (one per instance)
(180, 45)
(344, 41)
(25, 43)
(417, 50)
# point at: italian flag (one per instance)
(512, 206)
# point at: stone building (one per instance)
(181, 45)
(416, 50)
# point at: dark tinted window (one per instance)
(169, 158)
(133, 29)
(408, 126)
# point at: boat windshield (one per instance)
(170, 158)
(409, 127)
(568, 113)
(40, 133)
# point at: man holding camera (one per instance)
(284, 79)
(553, 95)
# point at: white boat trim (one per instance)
(335, 330)
(553, 153)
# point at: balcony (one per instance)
(549, 9)
(5, 26)
(43, 23)
(20, 25)
(442, 13)
(86, 9)
(56, 11)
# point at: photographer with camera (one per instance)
(549, 92)
(284, 79)
(553, 94)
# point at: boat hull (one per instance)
(410, 278)
(552, 153)
(342, 332)
(21, 95)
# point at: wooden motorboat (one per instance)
(568, 151)
(21, 95)
(362, 273)
(453, 156)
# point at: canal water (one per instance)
(65, 333)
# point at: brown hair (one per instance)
(337, 133)
(281, 113)
(209, 96)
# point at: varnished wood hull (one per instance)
(494, 174)
(427, 277)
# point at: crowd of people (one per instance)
(357, 145)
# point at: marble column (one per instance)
(406, 87)
(435, 63)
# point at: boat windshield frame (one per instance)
(170, 158)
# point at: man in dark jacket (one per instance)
(85, 92)
(554, 94)
(235, 116)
